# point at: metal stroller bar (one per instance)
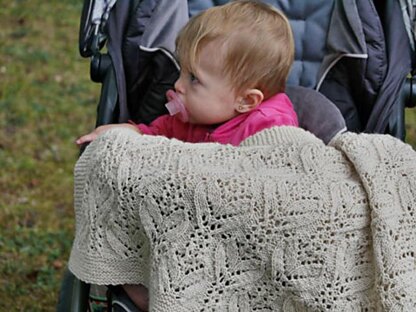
(94, 18)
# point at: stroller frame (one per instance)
(113, 21)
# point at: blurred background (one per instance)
(46, 101)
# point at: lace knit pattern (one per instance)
(281, 223)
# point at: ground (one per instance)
(46, 101)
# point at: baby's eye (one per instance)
(193, 78)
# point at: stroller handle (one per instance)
(91, 31)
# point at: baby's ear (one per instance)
(250, 99)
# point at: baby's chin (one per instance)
(193, 122)
(196, 122)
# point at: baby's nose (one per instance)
(179, 86)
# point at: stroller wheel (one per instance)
(73, 295)
(120, 301)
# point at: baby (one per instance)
(235, 60)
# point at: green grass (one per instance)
(46, 101)
(410, 119)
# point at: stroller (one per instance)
(353, 75)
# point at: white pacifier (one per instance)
(176, 106)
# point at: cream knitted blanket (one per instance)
(281, 223)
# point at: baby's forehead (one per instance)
(211, 56)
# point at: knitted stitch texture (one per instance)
(281, 223)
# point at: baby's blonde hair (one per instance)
(256, 40)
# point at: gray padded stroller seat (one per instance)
(357, 53)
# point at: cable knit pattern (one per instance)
(281, 223)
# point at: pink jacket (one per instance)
(275, 111)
